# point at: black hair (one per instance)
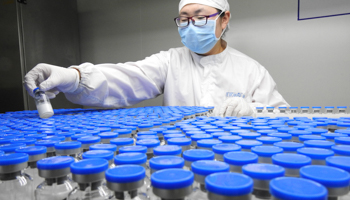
(222, 14)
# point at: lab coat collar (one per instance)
(217, 58)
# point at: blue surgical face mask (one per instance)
(199, 39)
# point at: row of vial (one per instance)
(304, 110)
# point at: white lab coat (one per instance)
(185, 79)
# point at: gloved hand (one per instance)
(235, 106)
(51, 79)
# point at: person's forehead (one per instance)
(196, 8)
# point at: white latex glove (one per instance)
(235, 106)
(51, 79)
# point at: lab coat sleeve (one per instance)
(266, 94)
(122, 84)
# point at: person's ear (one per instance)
(225, 20)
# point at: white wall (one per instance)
(309, 60)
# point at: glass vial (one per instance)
(43, 104)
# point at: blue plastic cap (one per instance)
(289, 146)
(343, 150)
(146, 133)
(171, 179)
(297, 133)
(46, 143)
(230, 138)
(130, 158)
(263, 171)
(147, 137)
(249, 135)
(269, 139)
(68, 145)
(105, 154)
(197, 137)
(9, 148)
(13, 159)
(145, 125)
(168, 136)
(179, 141)
(171, 132)
(317, 131)
(315, 153)
(229, 184)
(267, 151)
(122, 141)
(248, 144)
(311, 137)
(319, 144)
(198, 154)
(2, 152)
(76, 136)
(341, 162)
(149, 143)
(207, 167)
(342, 140)
(54, 163)
(89, 166)
(290, 188)
(333, 135)
(27, 141)
(55, 137)
(123, 131)
(109, 147)
(133, 149)
(290, 160)
(240, 158)
(166, 162)
(89, 139)
(207, 143)
(32, 150)
(224, 148)
(167, 150)
(125, 174)
(329, 177)
(343, 131)
(108, 135)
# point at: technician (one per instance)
(205, 72)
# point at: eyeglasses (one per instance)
(197, 20)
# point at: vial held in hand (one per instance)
(43, 104)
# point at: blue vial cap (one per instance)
(249, 135)
(319, 144)
(329, 177)
(315, 153)
(290, 160)
(165, 162)
(89, 139)
(171, 179)
(317, 131)
(171, 132)
(65, 134)
(27, 141)
(333, 135)
(285, 129)
(230, 128)
(149, 143)
(55, 137)
(167, 150)
(268, 139)
(145, 125)
(68, 145)
(290, 188)
(6, 140)
(207, 143)
(190, 133)
(267, 151)
(289, 146)
(217, 135)
(125, 174)
(344, 124)
(10, 148)
(266, 132)
(133, 149)
(240, 158)
(168, 136)
(31, 150)
(179, 141)
(109, 147)
(206, 167)
(224, 148)
(343, 131)
(89, 166)
(13, 159)
(123, 131)
(230, 138)
(146, 133)
(46, 143)
(2, 152)
(36, 136)
(236, 132)
(108, 135)
(198, 154)
(342, 140)
(201, 137)
(147, 137)
(263, 171)
(122, 141)
(297, 133)
(311, 137)
(105, 154)
(283, 136)
(130, 158)
(56, 162)
(248, 144)
(76, 136)
(91, 132)
(343, 150)
(342, 162)
(229, 184)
